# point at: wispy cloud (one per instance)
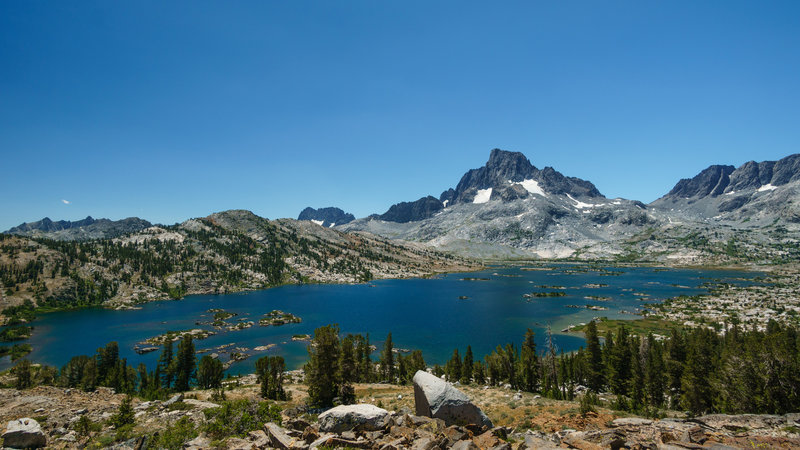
(66, 202)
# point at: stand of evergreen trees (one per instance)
(176, 371)
(696, 370)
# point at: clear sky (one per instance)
(171, 110)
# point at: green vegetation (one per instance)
(16, 352)
(334, 364)
(16, 333)
(238, 417)
(641, 326)
(697, 370)
(209, 373)
(269, 370)
(276, 318)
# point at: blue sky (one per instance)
(172, 110)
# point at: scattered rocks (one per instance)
(434, 397)
(24, 433)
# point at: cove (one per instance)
(428, 314)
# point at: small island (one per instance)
(544, 294)
(161, 339)
(277, 318)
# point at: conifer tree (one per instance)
(322, 369)
(696, 383)
(166, 366)
(594, 359)
(387, 360)
(467, 366)
(209, 373)
(529, 364)
(654, 373)
(453, 367)
(185, 364)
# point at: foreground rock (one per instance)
(24, 433)
(353, 417)
(434, 397)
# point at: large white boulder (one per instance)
(434, 397)
(360, 417)
(24, 433)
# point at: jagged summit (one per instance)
(755, 190)
(510, 175)
(327, 217)
(710, 182)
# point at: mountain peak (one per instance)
(326, 217)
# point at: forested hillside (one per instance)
(224, 252)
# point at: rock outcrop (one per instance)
(434, 397)
(361, 417)
(412, 211)
(24, 433)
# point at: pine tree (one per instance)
(637, 382)
(322, 368)
(209, 373)
(24, 375)
(479, 373)
(453, 367)
(594, 359)
(166, 366)
(387, 360)
(347, 360)
(529, 363)
(620, 363)
(270, 374)
(654, 373)
(676, 359)
(185, 364)
(467, 367)
(696, 383)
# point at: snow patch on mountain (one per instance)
(483, 195)
(531, 186)
(318, 222)
(767, 187)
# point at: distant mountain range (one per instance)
(509, 208)
(85, 229)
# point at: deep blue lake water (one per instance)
(424, 314)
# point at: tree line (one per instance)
(177, 370)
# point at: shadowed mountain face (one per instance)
(757, 190)
(327, 217)
(507, 176)
(85, 229)
(505, 170)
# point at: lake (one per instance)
(426, 314)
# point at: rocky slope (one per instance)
(756, 191)
(327, 217)
(227, 251)
(526, 421)
(85, 229)
(510, 209)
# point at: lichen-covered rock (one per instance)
(24, 433)
(353, 417)
(434, 397)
